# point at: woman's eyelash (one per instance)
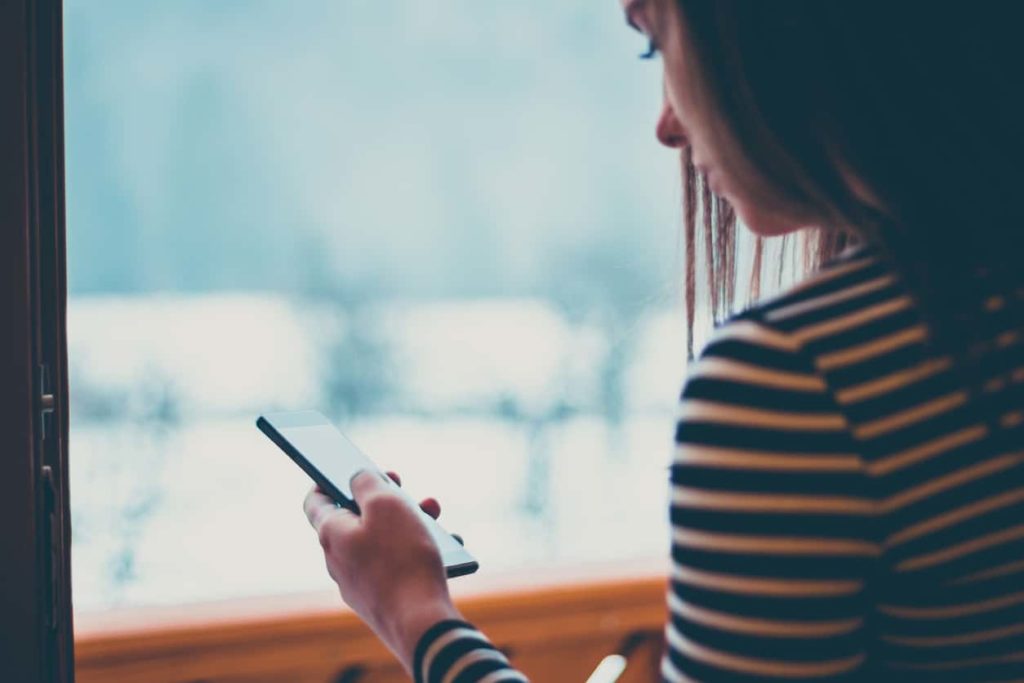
(652, 51)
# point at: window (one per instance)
(446, 225)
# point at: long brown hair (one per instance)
(922, 104)
(712, 255)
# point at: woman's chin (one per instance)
(767, 223)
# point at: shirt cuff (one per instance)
(428, 639)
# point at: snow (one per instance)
(192, 503)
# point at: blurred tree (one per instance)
(602, 285)
(359, 377)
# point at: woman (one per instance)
(848, 489)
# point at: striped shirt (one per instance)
(842, 507)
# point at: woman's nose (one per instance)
(669, 131)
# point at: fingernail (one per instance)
(355, 476)
(368, 471)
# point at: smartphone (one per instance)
(331, 460)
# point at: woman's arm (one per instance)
(389, 571)
(772, 526)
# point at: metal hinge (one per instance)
(46, 404)
(46, 401)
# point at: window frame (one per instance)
(35, 587)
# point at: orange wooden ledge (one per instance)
(555, 624)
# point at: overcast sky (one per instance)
(441, 148)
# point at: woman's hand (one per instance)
(384, 561)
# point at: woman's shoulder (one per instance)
(854, 272)
(849, 276)
(763, 382)
(838, 296)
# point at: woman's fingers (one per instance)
(370, 487)
(431, 507)
(315, 505)
(320, 508)
(428, 505)
(318, 504)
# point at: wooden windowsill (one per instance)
(312, 637)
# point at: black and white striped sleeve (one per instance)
(772, 526)
(455, 651)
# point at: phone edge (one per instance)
(271, 432)
(268, 429)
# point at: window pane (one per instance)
(446, 225)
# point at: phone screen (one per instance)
(331, 453)
(332, 460)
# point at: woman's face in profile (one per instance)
(684, 122)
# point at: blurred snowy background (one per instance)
(446, 225)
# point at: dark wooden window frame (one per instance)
(35, 590)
